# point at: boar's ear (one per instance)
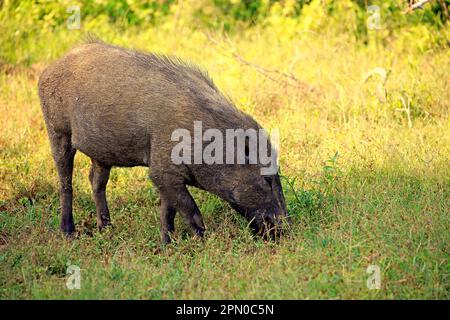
(274, 182)
(278, 190)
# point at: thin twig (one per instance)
(444, 8)
(177, 15)
(287, 79)
(417, 5)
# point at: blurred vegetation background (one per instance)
(27, 24)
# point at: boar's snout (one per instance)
(265, 207)
(270, 223)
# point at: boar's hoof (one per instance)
(103, 221)
(70, 235)
(68, 229)
(102, 226)
(199, 232)
(165, 239)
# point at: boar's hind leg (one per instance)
(63, 154)
(167, 215)
(99, 175)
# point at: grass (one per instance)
(365, 166)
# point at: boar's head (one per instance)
(259, 198)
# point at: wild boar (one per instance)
(121, 108)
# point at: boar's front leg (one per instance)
(174, 195)
(99, 175)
